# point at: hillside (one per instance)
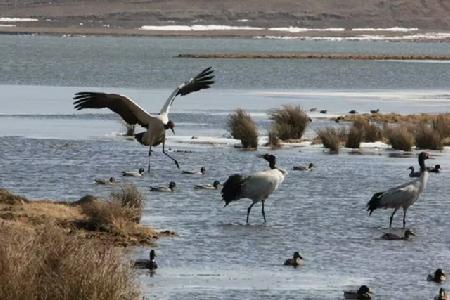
(423, 14)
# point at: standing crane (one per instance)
(257, 186)
(402, 196)
(132, 113)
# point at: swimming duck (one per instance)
(215, 186)
(313, 109)
(295, 261)
(304, 168)
(202, 172)
(323, 111)
(363, 293)
(442, 295)
(439, 276)
(412, 173)
(134, 173)
(392, 236)
(352, 112)
(171, 188)
(147, 263)
(436, 169)
(374, 111)
(111, 180)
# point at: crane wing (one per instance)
(203, 80)
(122, 105)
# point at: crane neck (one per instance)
(423, 168)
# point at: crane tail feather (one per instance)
(140, 137)
(374, 202)
(232, 188)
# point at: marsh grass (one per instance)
(273, 140)
(428, 138)
(242, 127)
(118, 214)
(400, 138)
(46, 263)
(289, 122)
(330, 138)
(354, 137)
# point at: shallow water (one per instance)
(49, 151)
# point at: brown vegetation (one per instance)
(400, 138)
(289, 122)
(354, 137)
(106, 220)
(243, 128)
(330, 138)
(398, 118)
(428, 138)
(47, 263)
(273, 140)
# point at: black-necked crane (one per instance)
(133, 114)
(402, 196)
(256, 187)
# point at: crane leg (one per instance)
(248, 210)
(392, 216)
(404, 216)
(167, 154)
(263, 212)
(149, 154)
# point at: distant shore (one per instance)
(369, 35)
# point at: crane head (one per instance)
(270, 158)
(170, 125)
(423, 156)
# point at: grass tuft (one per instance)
(273, 140)
(243, 128)
(289, 122)
(354, 137)
(400, 138)
(330, 138)
(428, 138)
(49, 264)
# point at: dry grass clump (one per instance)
(330, 138)
(442, 125)
(400, 138)
(273, 140)
(289, 122)
(49, 264)
(6, 197)
(371, 132)
(354, 137)
(119, 214)
(428, 138)
(243, 128)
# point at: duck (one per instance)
(412, 173)
(338, 119)
(147, 263)
(374, 111)
(312, 109)
(439, 276)
(392, 236)
(435, 169)
(111, 180)
(323, 111)
(202, 172)
(304, 168)
(139, 173)
(295, 261)
(170, 188)
(215, 186)
(352, 112)
(363, 293)
(442, 295)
